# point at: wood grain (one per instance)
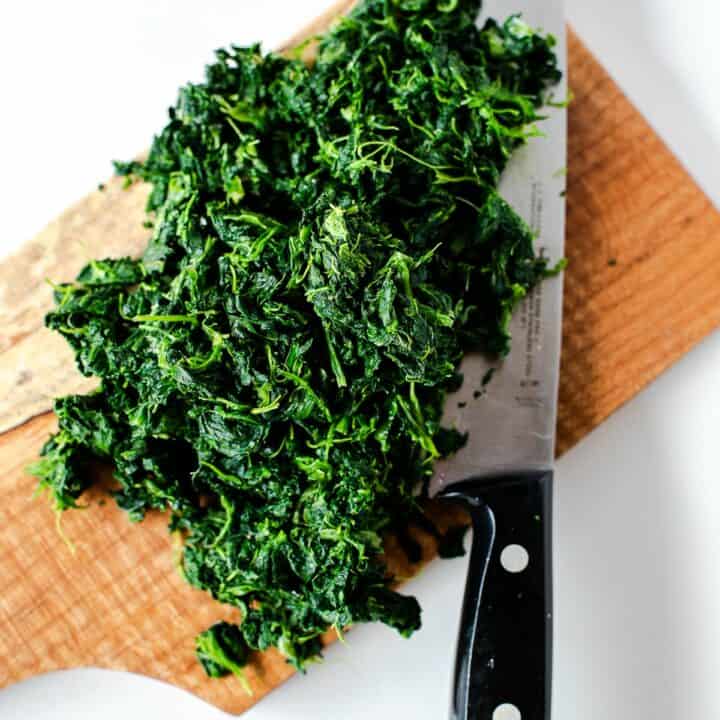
(36, 364)
(643, 287)
(643, 244)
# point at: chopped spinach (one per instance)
(327, 243)
(222, 650)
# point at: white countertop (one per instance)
(638, 503)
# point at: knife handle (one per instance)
(504, 651)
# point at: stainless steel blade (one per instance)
(511, 421)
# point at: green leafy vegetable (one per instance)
(328, 241)
(221, 650)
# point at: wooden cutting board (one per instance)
(642, 288)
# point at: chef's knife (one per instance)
(504, 474)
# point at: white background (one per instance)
(638, 509)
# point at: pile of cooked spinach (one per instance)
(328, 241)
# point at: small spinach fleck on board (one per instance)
(221, 650)
(327, 243)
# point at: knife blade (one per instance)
(504, 473)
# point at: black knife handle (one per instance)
(504, 651)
